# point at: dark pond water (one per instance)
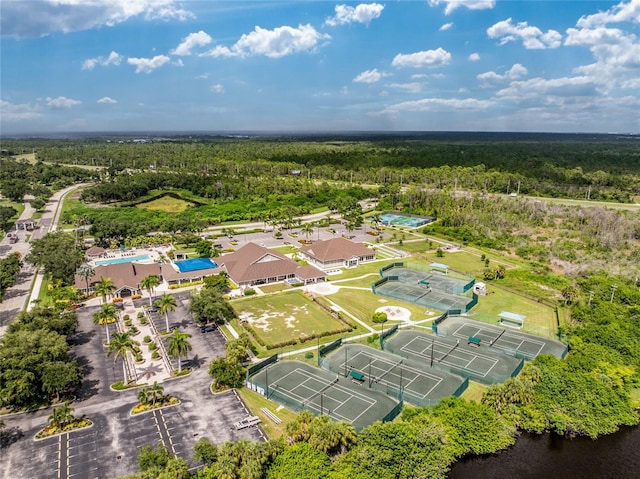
(616, 456)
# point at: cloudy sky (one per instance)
(469, 65)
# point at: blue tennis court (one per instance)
(411, 221)
(195, 264)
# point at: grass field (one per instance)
(166, 203)
(286, 316)
(540, 319)
(474, 392)
(255, 402)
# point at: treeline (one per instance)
(18, 178)
(9, 269)
(603, 168)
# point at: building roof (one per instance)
(122, 274)
(335, 249)
(253, 262)
(95, 250)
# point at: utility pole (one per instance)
(590, 297)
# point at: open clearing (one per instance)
(166, 203)
(285, 316)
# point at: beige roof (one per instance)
(253, 262)
(95, 250)
(123, 274)
(335, 249)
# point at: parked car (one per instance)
(153, 309)
(208, 329)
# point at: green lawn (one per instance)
(274, 288)
(166, 203)
(285, 316)
(255, 402)
(18, 206)
(474, 392)
(540, 319)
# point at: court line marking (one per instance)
(325, 382)
(404, 367)
(505, 338)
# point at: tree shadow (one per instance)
(9, 436)
(196, 362)
(79, 338)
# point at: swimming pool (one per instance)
(129, 259)
(195, 264)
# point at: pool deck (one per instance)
(154, 255)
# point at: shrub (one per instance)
(134, 330)
(136, 296)
(126, 317)
(147, 339)
(153, 346)
(117, 300)
(143, 321)
(155, 355)
(308, 355)
(139, 358)
(127, 323)
(250, 292)
(140, 315)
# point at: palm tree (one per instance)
(143, 396)
(85, 271)
(179, 346)
(107, 314)
(376, 219)
(105, 288)
(154, 393)
(61, 416)
(165, 304)
(150, 283)
(307, 230)
(120, 344)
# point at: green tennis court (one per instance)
(510, 342)
(300, 386)
(394, 375)
(458, 355)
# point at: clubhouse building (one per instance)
(337, 253)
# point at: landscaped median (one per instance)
(62, 420)
(153, 397)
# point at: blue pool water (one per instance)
(129, 259)
(195, 264)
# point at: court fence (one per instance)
(251, 370)
(326, 349)
(387, 333)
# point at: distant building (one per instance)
(337, 252)
(25, 225)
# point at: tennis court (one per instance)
(300, 386)
(436, 281)
(412, 221)
(425, 295)
(454, 355)
(394, 375)
(514, 343)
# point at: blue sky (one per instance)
(467, 65)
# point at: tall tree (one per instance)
(107, 314)
(150, 283)
(85, 271)
(105, 288)
(57, 254)
(61, 416)
(178, 346)
(120, 345)
(165, 304)
(58, 376)
(307, 230)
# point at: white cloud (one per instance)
(446, 26)
(437, 104)
(363, 13)
(532, 37)
(474, 57)
(413, 87)
(544, 91)
(191, 41)
(107, 100)
(369, 76)
(22, 19)
(204, 76)
(217, 88)
(114, 58)
(147, 65)
(18, 111)
(623, 12)
(451, 5)
(418, 76)
(61, 102)
(515, 72)
(427, 58)
(276, 43)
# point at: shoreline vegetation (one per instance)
(489, 193)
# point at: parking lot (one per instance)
(109, 448)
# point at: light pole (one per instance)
(613, 291)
